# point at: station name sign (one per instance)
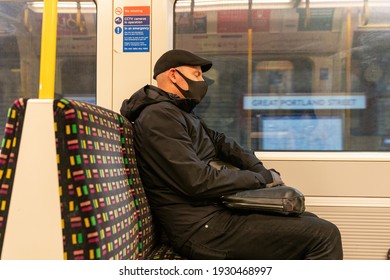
(335, 102)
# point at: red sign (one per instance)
(137, 11)
(237, 21)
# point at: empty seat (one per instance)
(8, 159)
(104, 208)
(76, 190)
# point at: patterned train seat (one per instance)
(8, 159)
(147, 231)
(104, 209)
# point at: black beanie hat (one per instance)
(175, 58)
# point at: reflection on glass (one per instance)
(324, 64)
(20, 41)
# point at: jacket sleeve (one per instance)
(163, 139)
(230, 151)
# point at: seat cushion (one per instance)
(163, 252)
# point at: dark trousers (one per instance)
(241, 235)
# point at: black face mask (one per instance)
(196, 89)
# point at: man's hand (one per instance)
(277, 181)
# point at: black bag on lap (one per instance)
(282, 200)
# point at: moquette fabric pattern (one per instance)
(8, 159)
(105, 211)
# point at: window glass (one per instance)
(293, 75)
(20, 43)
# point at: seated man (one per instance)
(175, 149)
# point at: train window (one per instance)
(293, 75)
(20, 42)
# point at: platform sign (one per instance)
(132, 28)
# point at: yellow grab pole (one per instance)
(48, 49)
(250, 70)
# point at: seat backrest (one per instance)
(151, 245)
(98, 210)
(147, 234)
(8, 159)
(105, 211)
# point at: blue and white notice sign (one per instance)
(132, 25)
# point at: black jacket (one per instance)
(173, 148)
